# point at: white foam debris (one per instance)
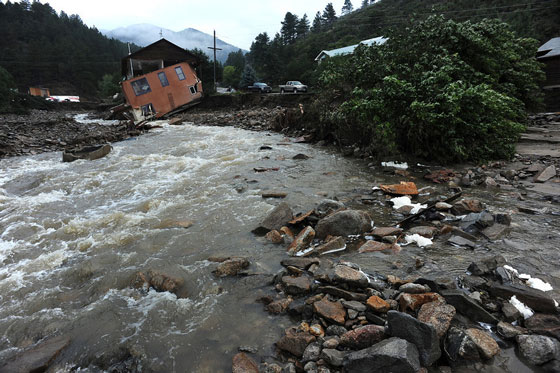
(375, 188)
(334, 250)
(303, 252)
(399, 202)
(419, 240)
(533, 282)
(537, 283)
(511, 269)
(521, 307)
(400, 166)
(555, 303)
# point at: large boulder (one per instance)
(363, 337)
(538, 349)
(231, 267)
(344, 223)
(390, 355)
(422, 335)
(275, 220)
(295, 341)
(437, 314)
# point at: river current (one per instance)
(73, 235)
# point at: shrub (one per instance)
(440, 90)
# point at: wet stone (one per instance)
(545, 324)
(422, 335)
(301, 263)
(341, 293)
(460, 241)
(459, 346)
(333, 357)
(38, 358)
(295, 341)
(413, 288)
(437, 314)
(508, 331)
(377, 304)
(413, 302)
(487, 346)
(468, 307)
(373, 246)
(279, 306)
(468, 205)
(337, 243)
(344, 223)
(336, 330)
(354, 305)
(424, 231)
(363, 337)
(545, 175)
(231, 267)
(302, 241)
(312, 352)
(276, 219)
(332, 311)
(275, 237)
(244, 364)
(297, 285)
(351, 276)
(385, 231)
(486, 265)
(332, 342)
(395, 354)
(538, 349)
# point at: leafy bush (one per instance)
(440, 90)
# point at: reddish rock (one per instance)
(439, 315)
(350, 276)
(274, 236)
(373, 246)
(395, 281)
(468, 205)
(302, 241)
(332, 311)
(377, 304)
(297, 285)
(413, 302)
(486, 345)
(288, 233)
(317, 330)
(244, 364)
(363, 337)
(38, 358)
(441, 176)
(158, 281)
(385, 231)
(295, 341)
(405, 188)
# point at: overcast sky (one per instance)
(237, 22)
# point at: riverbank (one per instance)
(44, 131)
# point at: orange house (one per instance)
(160, 78)
(37, 91)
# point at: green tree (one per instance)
(7, 90)
(109, 85)
(347, 7)
(317, 22)
(329, 15)
(205, 70)
(236, 59)
(232, 76)
(302, 27)
(441, 90)
(289, 25)
(248, 77)
(365, 3)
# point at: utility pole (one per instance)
(215, 49)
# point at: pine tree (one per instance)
(289, 28)
(329, 14)
(365, 3)
(317, 22)
(302, 27)
(249, 77)
(347, 7)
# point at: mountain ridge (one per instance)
(144, 34)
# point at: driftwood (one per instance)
(411, 218)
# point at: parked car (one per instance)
(260, 87)
(293, 86)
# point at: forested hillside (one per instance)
(42, 48)
(291, 52)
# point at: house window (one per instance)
(193, 89)
(180, 73)
(141, 86)
(163, 79)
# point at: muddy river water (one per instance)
(73, 235)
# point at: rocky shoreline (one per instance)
(44, 131)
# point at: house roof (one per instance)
(549, 49)
(350, 49)
(161, 50)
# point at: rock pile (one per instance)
(354, 321)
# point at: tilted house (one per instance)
(549, 54)
(160, 78)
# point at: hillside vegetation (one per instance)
(291, 52)
(42, 48)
